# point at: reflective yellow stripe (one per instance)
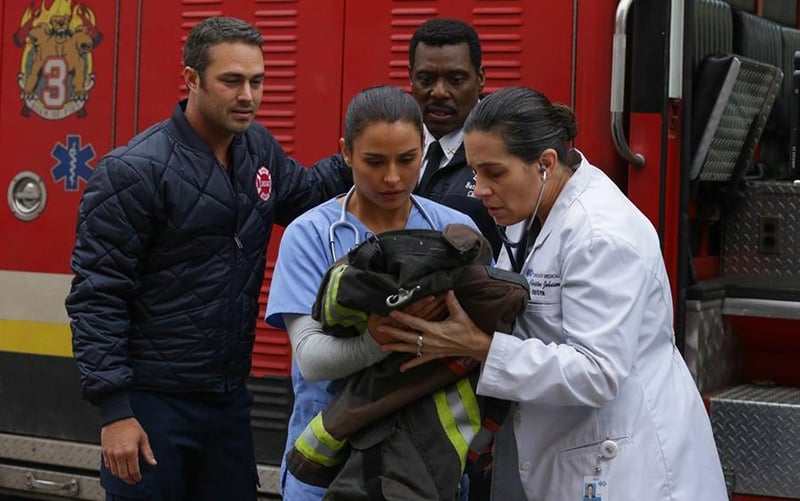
(451, 426)
(322, 434)
(315, 432)
(37, 338)
(335, 313)
(309, 452)
(470, 404)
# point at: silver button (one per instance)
(525, 466)
(609, 449)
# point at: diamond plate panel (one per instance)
(52, 455)
(747, 232)
(746, 101)
(711, 350)
(34, 482)
(757, 431)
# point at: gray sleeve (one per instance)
(321, 356)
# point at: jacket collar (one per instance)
(184, 132)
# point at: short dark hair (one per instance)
(384, 103)
(441, 31)
(527, 122)
(214, 30)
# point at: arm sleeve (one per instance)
(603, 299)
(301, 188)
(323, 357)
(113, 227)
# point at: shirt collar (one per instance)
(449, 143)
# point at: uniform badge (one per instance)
(263, 183)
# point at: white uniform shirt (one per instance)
(593, 359)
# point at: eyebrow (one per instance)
(383, 155)
(486, 165)
(241, 75)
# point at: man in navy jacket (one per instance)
(447, 77)
(169, 258)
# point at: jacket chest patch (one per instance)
(263, 183)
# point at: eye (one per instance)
(256, 83)
(409, 159)
(373, 162)
(424, 79)
(458, 80)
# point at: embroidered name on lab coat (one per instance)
(544, 285)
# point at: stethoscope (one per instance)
(518, 259)
(347, 225)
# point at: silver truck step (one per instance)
(35, 467)
(757, 431)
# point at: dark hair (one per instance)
(441, 31)
(526, 120)
(214, 30)
(385, 103)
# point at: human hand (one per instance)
(121, 442)
(455, 336)
(428, 308)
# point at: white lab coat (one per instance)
(593, 359)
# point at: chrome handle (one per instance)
(618, 86)
(35, 484)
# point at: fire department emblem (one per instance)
(56, 71)
(263, 183)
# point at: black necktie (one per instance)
(432, 160)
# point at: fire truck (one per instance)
(691, 106)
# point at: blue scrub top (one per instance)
(303, 258)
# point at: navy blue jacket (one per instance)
(169, 258)
(453, 185)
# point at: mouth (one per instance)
(440, 112)
(494, 211)
(392, 193)
(242, 114)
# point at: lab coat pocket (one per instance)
(541, 319)
(607, 449)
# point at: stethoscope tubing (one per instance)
(344, 223)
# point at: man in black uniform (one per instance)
(447, 77)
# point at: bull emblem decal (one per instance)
(56, 65)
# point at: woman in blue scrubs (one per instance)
(383, 145)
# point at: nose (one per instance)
(482, 190)
(246, 93)
(439, 89)
(392, 175)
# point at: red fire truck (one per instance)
(689, 105)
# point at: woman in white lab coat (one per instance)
(603, 397)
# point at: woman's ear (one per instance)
(348, 159)
(548, 158)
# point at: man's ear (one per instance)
(192, 78)
(481, 79)
(348, 158)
